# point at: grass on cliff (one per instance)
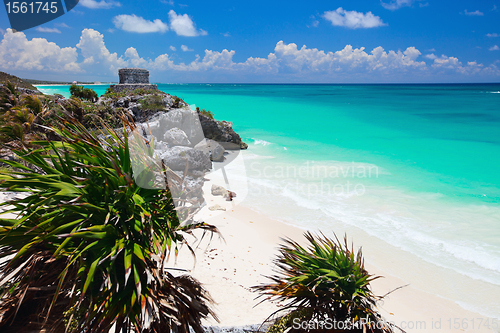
(5, 78)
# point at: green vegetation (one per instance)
(44, 82)
(205, 113)
(327, 280)
(177, 102)
(152, 103)
(7, 78)
(112, 94)
(19, 113)
(83, 93)
(89, 245)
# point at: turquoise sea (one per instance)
(407, 171)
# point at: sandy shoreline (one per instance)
(229, 267)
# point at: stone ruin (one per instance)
(133, 78)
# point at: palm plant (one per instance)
(325, 281)
(88, 247)
(83, 93)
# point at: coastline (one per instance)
(229, 267)
(381, 260)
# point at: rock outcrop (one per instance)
(222, 132)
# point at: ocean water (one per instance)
(407, 171)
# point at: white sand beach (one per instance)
(229, 267)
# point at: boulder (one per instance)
(213, 148)
(216, 207)
(122, 102)
(220, 131)
(191, 187)
(185, 120)
(177, 157)
(219, 190)
(176, 137)
(170, 119)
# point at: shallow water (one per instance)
(416, 167)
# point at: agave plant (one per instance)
(325, 281)
(87, 249)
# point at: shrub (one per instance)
(152, 103)
(19, 116)
(205, 113)
(177, 102)
(89, 245)
(327, 280)
(83, 93)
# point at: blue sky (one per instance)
(263, 41)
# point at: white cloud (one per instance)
(186, 49)
(493, 35)
(2, 32)
(396, 4)
(49, 30)
(168, 2)
(494, 48)
(134, 58)
(103, 4)
(173, 48)
(62, 25)
(475, 13)
(494, 9)
(226, 34)
(285, 62)
(133, 23)
(96, 55)
(183, 25)
(353, 19)
(19, 53)
(431, 50)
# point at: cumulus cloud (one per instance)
(19, 53)
(103, 4)
(134, 58)
(353, 19)
(286, 61)
(96, 55)
(474, 13)
(494, 48)
(185, 48)
(173, 48)
(396, 4)
(493, 35)
(133, 23)
(183, 25)
(49, 30)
